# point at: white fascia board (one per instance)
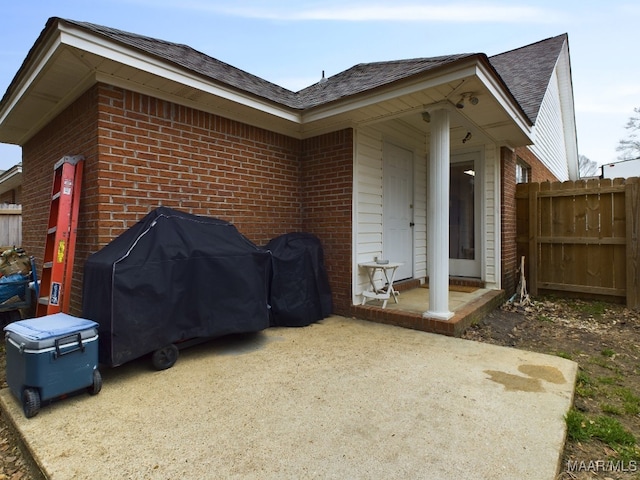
(565, 86)
(506, 102)
(367, 100)
(133, 58)
(39, 64)
(11, 178)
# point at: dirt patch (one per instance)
(14, 464)
(604, 339)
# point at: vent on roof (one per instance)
(323, 79)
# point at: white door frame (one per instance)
(471, 268)
(397, 217)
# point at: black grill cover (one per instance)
(300, 292)
(171, 277)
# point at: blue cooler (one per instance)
(49, 357)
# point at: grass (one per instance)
(544, 318)
(595, 309)
(604, 428)
(564, 355)
(630, 401)
(585, 387)
(609, 380)
(607, 352)
(616, 401)
(611, 409)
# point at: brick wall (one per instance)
(153, 152)
(508, 217)
(539, 173)
(71, 133)
(142, 152)
(327, 184)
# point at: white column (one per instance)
(438, 217)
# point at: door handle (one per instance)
(411, 224)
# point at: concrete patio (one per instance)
(342, 398)
(468, 300)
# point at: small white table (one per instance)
(387, 291)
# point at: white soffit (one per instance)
(99, 59)
(132, 57)
(39, 64)
(506, 101)
(388, 93)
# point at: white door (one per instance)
(464, 216)
(397, 214)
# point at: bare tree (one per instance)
(630, 147)
(586, 167)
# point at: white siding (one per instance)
(368, 196)
(368, 203)
(549, 142)
(368, 188)
(491, 217)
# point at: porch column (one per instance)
(438, 217)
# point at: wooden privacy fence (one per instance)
(10, 225)
(581, 237)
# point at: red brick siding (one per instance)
(142, 152)
(155, 153)
(71, 133)
(327, 189)
(539, 173)
(508, 217)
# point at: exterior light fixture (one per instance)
(473, 100)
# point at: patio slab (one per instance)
(468, 306)
(342, 398)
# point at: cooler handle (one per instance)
(77, 337)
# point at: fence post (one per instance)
(632, 211)
(533, 238)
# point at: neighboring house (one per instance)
(10, 209)
(11, 185)
(621, 169)
(410, 160)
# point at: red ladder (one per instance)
(59, 251)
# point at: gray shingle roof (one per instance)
(527, 71)
(358, 79)
(367, 76)
(196, 62)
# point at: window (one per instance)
(523, 172)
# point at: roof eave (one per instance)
(96, 58)
(457, 71)
(60, 37)
(11, 179)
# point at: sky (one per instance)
(291, 42)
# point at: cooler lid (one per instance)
(49, 326)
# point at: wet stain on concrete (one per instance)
(531, 382)
(544, 372)
(517, 383)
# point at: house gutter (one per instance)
(11, 178)
(59, 33)
(477, 65)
